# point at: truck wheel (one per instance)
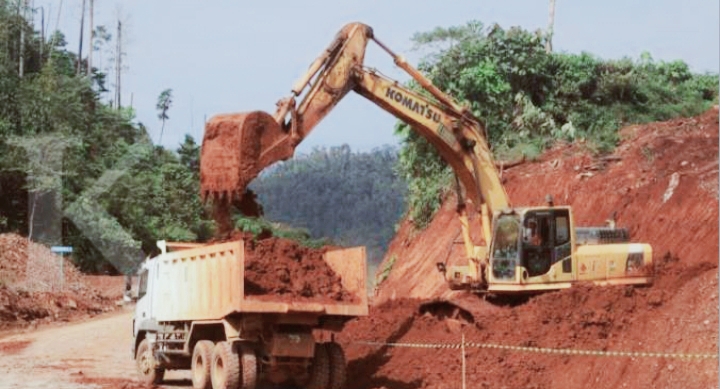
(338, 367)
(201, 364)
(225, 367)
(147, 365)
(320, 369)
(248, 364)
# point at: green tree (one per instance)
(352, 198)
(163, 105)
(529, 98)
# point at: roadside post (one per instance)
(60, 250)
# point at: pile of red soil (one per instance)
(620, 318)
(37, 286)
(662, 184)
(282, 269)
(112, 287)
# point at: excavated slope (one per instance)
(662, 183)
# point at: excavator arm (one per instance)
(237, 147)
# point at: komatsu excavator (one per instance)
(523, 249)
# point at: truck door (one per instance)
(546, 242)
(537, 242)
(562, 245)
(142, 307)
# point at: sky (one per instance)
(225, 56)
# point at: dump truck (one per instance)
(192, 312)
(520, 250)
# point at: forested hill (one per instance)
(76, 169)
(353, 198)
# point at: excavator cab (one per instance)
(528, 243)
(535, 249)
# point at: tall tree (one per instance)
(118, 65)
(90, 52)
(163, 105)
(82, 33)
(551, 27)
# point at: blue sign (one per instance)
(61, 249)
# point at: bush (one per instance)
(528, 98)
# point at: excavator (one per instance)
(522, 249)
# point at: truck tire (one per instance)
(338, 366)
(201, 364)
(225, 367)
(249, 367)
(320, 369)
(146, 364)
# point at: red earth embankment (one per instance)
(662, 184)
(37, 286)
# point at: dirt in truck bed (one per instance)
(282, 269)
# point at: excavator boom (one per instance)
(237, 147)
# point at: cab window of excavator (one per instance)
(562, 247)
(507, 235)
(562, 229)
(506, 247)
(536, 231)
(538, 240)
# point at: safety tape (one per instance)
(543, 350)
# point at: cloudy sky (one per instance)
(222, 56)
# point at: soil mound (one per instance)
(282, 269)
(37, 286)
(584, 317)
(662, 184)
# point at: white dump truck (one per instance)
(192, 313)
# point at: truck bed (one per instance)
(208, 283)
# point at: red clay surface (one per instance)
(111, 383)
(282, 270)
(35, 289)
(677, 314)
(13, 347)
(112, 287)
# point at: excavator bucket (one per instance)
(236, 148)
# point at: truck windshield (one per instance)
(506, 247)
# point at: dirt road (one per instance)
(92, 354)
